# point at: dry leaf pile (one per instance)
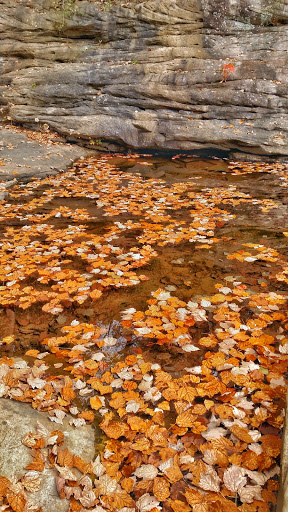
(207, 440)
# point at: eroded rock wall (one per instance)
(149, 74)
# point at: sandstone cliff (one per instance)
(149, 75)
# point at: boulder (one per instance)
(17, 419)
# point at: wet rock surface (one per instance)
(149, 75)
(17, 419)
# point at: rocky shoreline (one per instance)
(22, 158)
(150, 75)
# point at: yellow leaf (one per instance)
(8, 339)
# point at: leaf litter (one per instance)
(206, 439)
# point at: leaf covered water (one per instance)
(157, 310)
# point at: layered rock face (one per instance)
(149, 75)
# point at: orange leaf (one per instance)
(119, 500)
(208, 341)
(95, 294)
(193, 497)
(74, 505)
(241, 433)
(187, 393)
(32, 353)
(161, 488)
(186, 419)
(68, 393)
(16, 501)
(127, 484)
(180, 506)
(84, 467)
(117, 401)
(173, 474)
(271, 445)
(96, 403)
(136, 423)
(87, 415)
(65, 458)
(36, 465)
(114, 429)
(4, 485)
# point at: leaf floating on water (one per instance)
(106, 485)
(210, 482)
(95, 403)
(147, 503)
(234, 478)
(190, 348)
(161, 489)
(215, 426)
(98, 468)
(146, 471)
(132, 406)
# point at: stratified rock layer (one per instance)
(149, 74)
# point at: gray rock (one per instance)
(17, 419)
(149, 75)
(25, 158)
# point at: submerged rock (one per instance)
(17, 419)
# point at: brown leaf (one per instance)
(4, 485)
(193, 497)
(180, 506)
(241, 433)
(68, 393)
(16, 501)
(271, 445)
(36, 465)
(161, 488)
(84, 467)
(122, 499)
(173, 474)
(186, 419)
(65, 458)
(127, 484)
